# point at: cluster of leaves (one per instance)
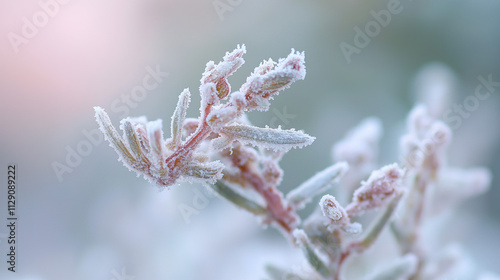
(223, 150)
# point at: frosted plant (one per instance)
(223, 150)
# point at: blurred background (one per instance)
(82, 215)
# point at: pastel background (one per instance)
(96, 220)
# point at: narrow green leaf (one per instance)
(234, 197)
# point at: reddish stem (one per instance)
(284, 216)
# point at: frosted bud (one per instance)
(218, 74)
(264, 82)
(332, 209)
(295, 61)
(377, 190)
(264, 67)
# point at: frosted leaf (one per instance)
(320, 182)
(229, 64)
(190, 125)
(210, 171)
(179, 116)
(218, 74)
(112, 136)
(208, 96)
(380, 223)
(377, 190)
(221, 142)
(264, 67)
(400, 269)
(311, 253)
(238, 199)
(131, 138)
(156, 140)
(276, 139)
(278, 80)
(265, 82)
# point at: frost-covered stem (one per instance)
(370, 237)
(283, 215)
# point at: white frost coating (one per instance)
(219, 117)
(209, 96)
(377, 190)
(301, 195)
(130, 137)
(229, 64)
(264, 67)
(221, 142)
(276, 139)
(179, 116)
(352, 229)
(293, 62)
(266, 82)
(238, 99)
(400, 269)
(208, 172)
(112, 136)
(331, 208)
(156, 140)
